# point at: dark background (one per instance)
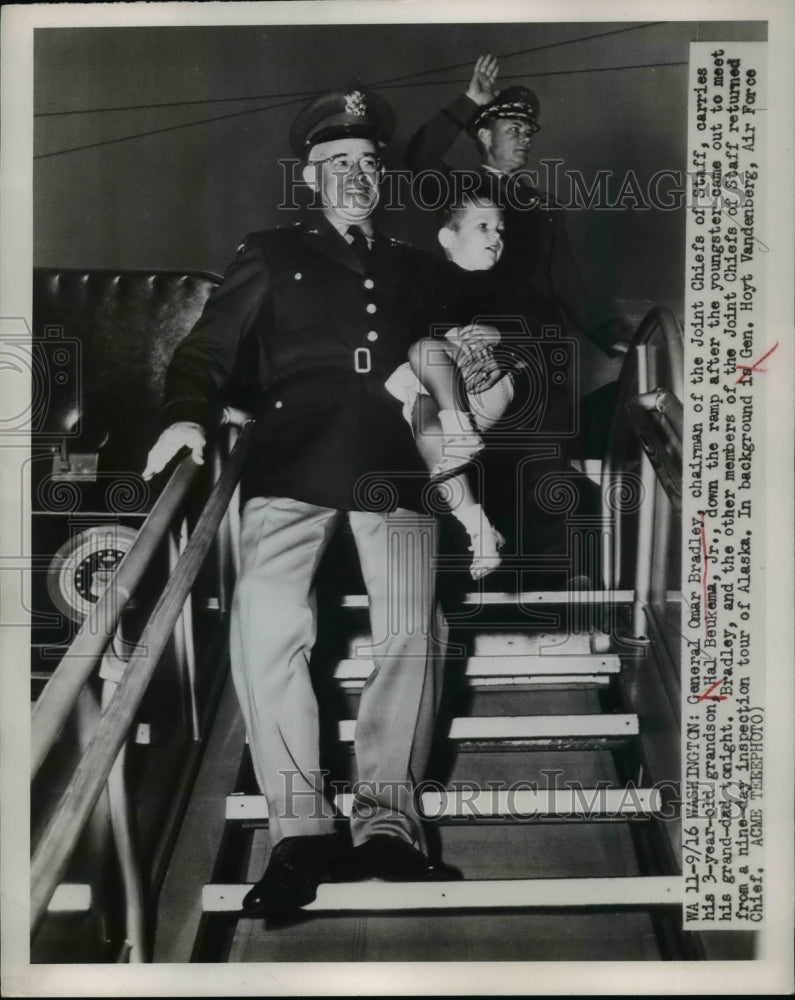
(183, 197)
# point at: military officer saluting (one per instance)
(537, 257)
(537, 278)
(317, 316)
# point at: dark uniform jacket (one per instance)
(537, 255)
(304, 333)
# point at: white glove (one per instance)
(183, 434)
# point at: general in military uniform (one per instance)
(311, 320)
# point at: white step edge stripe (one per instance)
(495, 641)
(480, 894)
(510, 665)
(525, 727)
(600, 680)
(70, 897)
(475, 803)
(523, 597)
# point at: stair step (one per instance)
(559, 682)
(546, 646)
(596, 803)
(70, 897)
(522, 597)
(543, 669)
(637, 891)
(522, 728)
(527, 727)
(511, 641)
(527, 937)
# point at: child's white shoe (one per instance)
(485, 546)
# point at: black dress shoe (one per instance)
(296, 867)
(396, 860)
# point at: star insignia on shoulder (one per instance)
(355, 104)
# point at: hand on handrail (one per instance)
(182, 434)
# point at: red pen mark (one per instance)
(709, 696)
(705, 566)
(747, 369)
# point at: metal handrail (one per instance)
(667, 404)
(662, 445)
(657, 318)
(661, 319)
(98, 628)
(76, 803)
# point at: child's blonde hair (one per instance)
(452, 212)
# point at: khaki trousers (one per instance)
(273, 630)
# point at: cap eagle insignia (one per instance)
(355, 103)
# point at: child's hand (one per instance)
(475, 357)
(480, 370)
(481, 88)
(476, 336)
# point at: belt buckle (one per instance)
(362, 360)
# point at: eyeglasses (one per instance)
(343, 163)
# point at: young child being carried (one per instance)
(452, 389)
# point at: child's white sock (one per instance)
(455, 423)
(485, 539)
(460, 442)
(472, 517)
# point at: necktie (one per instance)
(359, 244)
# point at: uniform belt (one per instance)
(365, 364)
(362, 360)
(358, 360)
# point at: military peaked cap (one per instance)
(357, 113)
(515, 102)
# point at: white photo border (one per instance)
(772, 972)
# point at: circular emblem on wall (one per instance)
(81, 569)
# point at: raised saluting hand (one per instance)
(481, 87)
